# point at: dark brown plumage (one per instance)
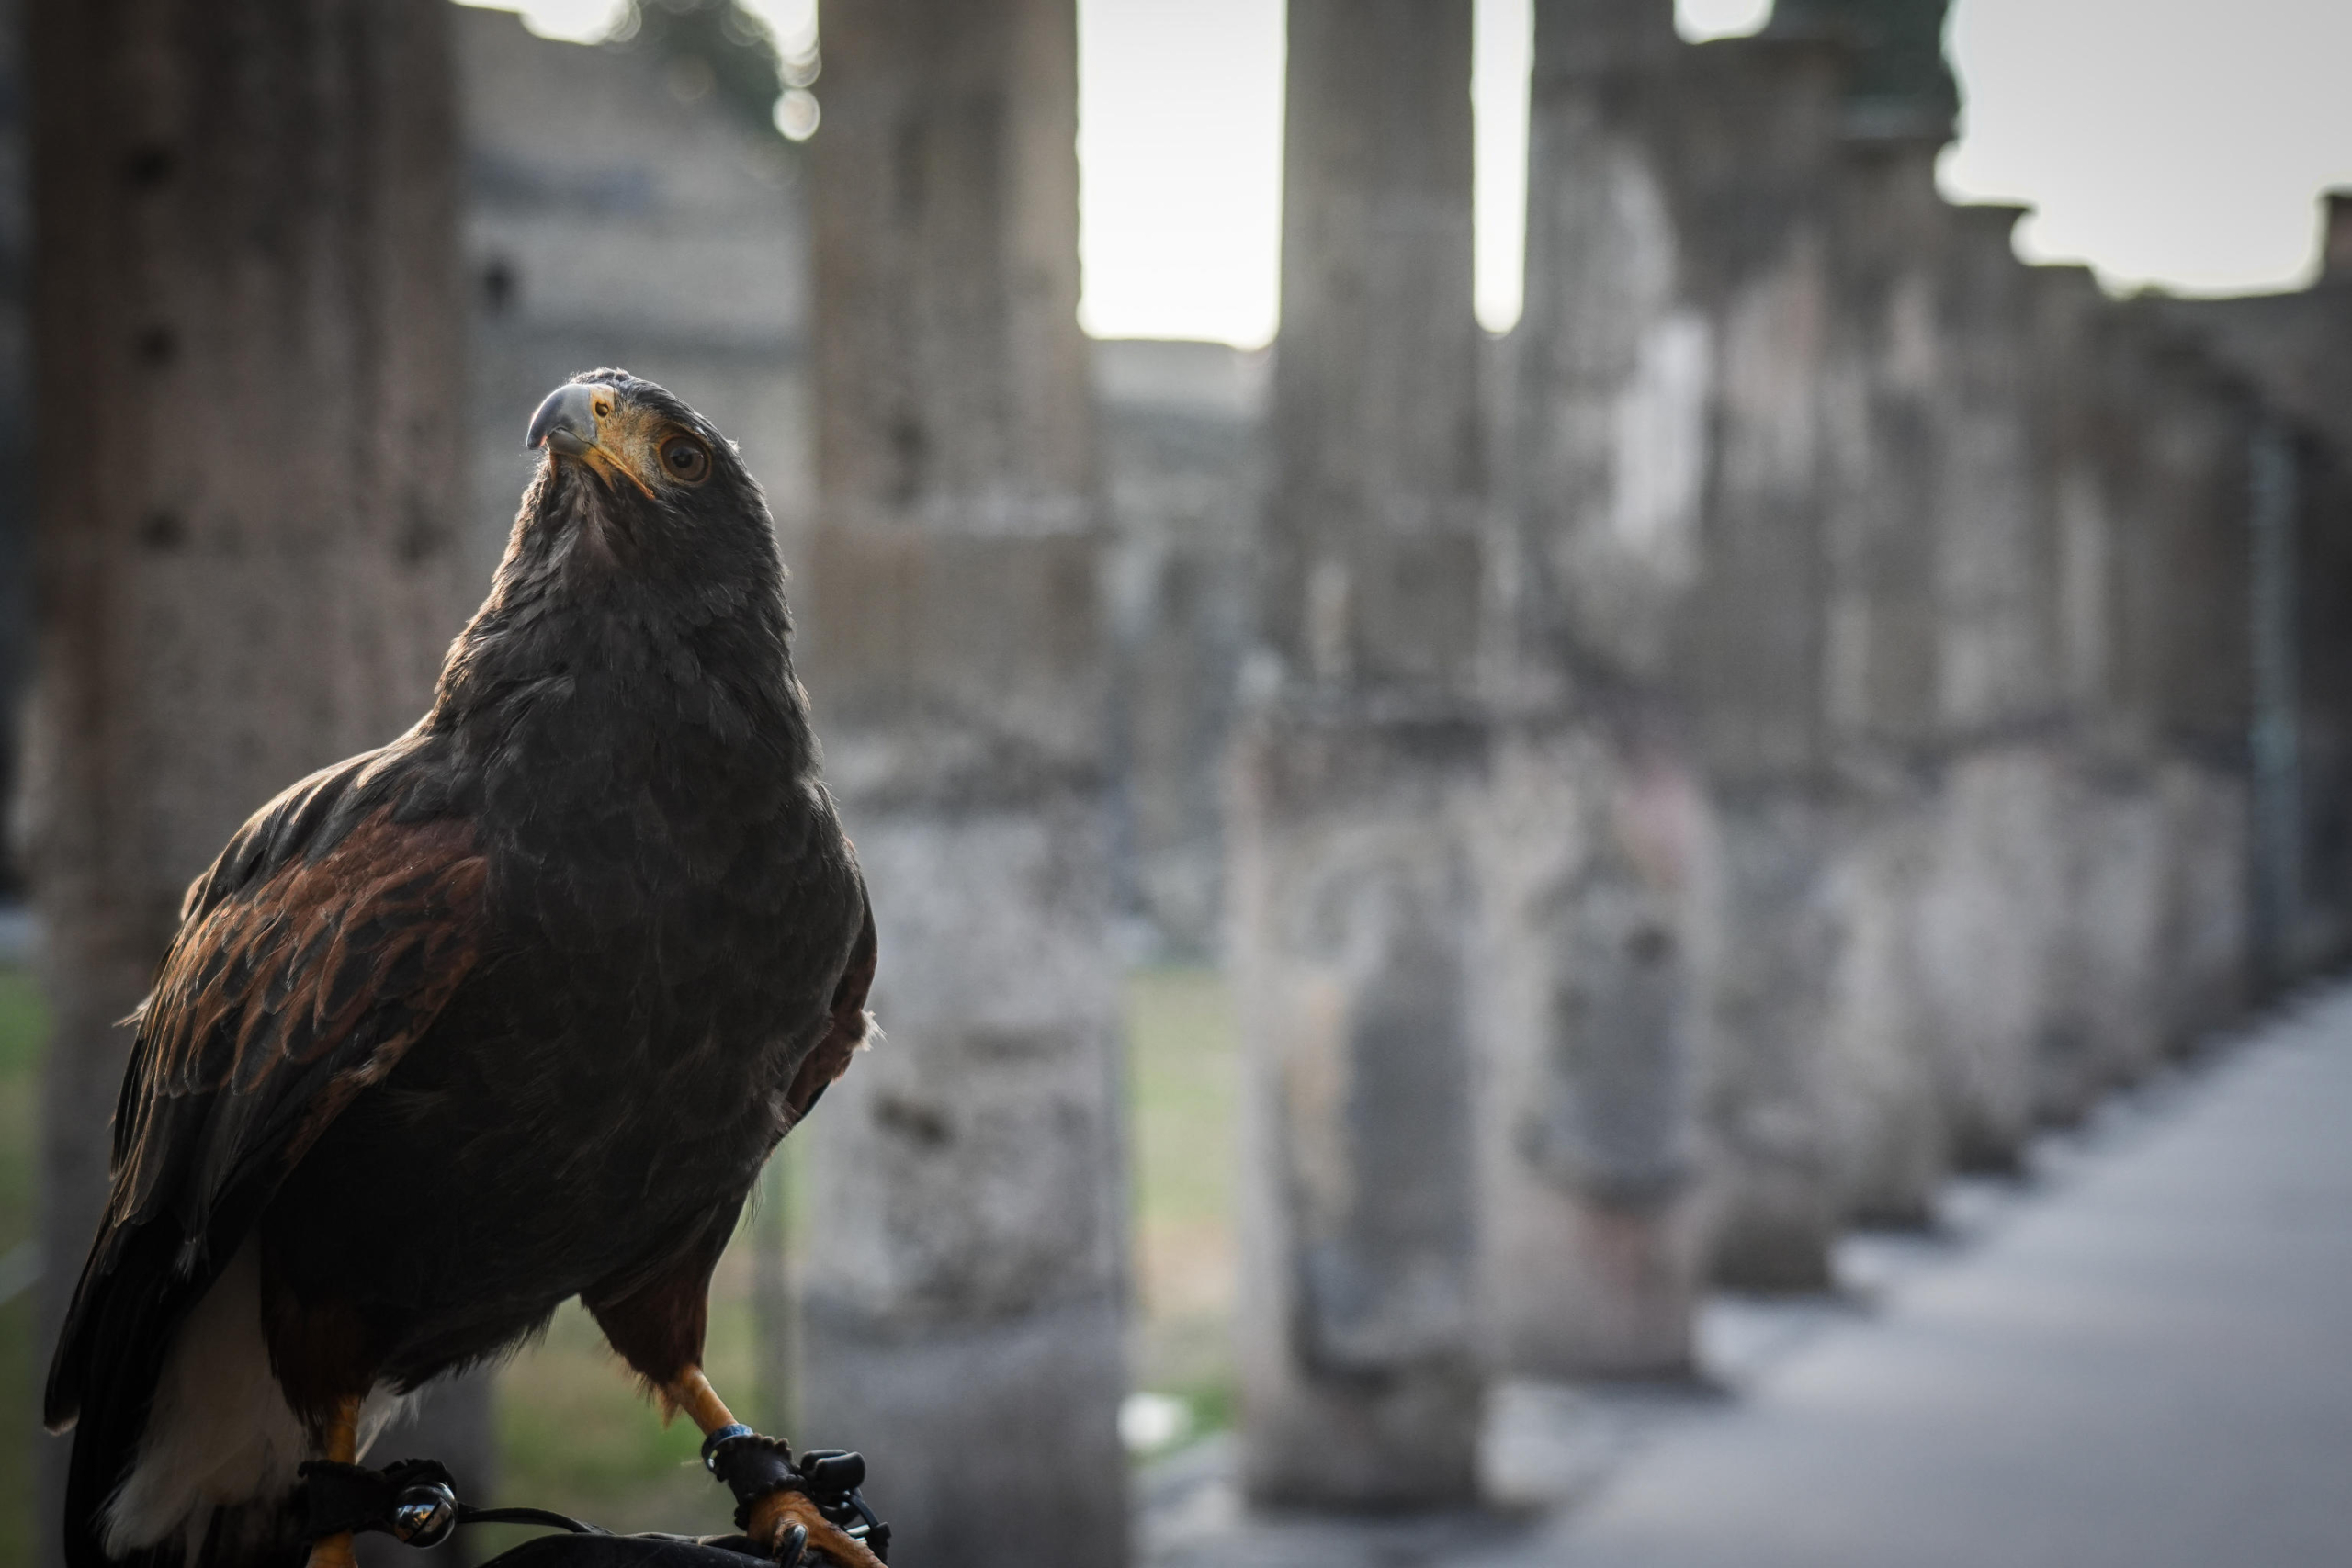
(509, 1011)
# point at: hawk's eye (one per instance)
(685, 459)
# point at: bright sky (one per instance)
(2182, 143)
(584, 21)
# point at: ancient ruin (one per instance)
(1817, 702)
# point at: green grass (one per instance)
(23, 1025)
(576, 1435)
(1183, 1073)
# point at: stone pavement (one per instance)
(2139, 1356)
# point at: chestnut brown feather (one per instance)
(341, 960)
(846, 1034)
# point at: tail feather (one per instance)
(212, 1488)
(104, 1378)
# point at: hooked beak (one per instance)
(566, 423)
(570, 424)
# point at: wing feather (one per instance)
(852, 1027)
(320, 945)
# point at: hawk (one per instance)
(507, 1011)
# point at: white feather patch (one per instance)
(220, 1433)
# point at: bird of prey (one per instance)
(508, 1011)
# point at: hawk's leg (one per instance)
(658, 1328)
(778, 1511)
(339, 1445)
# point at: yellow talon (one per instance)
(772, 1514)
(342, 1445)
(332, 1551)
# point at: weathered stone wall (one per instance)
(1939, 566)
(2295, 351)
(1885, 661)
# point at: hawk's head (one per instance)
(648, 477)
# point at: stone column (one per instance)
(1898, 87)
(1356, 770)
(2274, 547)
(16, 400)
(1889, 1148)
(1756, 131)
(2335, 236)
(1595, 853)
(1944, 703)
(2183, 429)
(2295, 349)
(2320, 643)
(1991, 920)
(1945, 715)
(1674, 352)
(967, 1236)
(248, 313)
(2104, 964)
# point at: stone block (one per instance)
(1988, 919)
(1770, 1203)
(1596, 863)
(1889, 1145)
(1355, 920)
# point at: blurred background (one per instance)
(1542, 696)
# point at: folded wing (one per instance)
(315, 951)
